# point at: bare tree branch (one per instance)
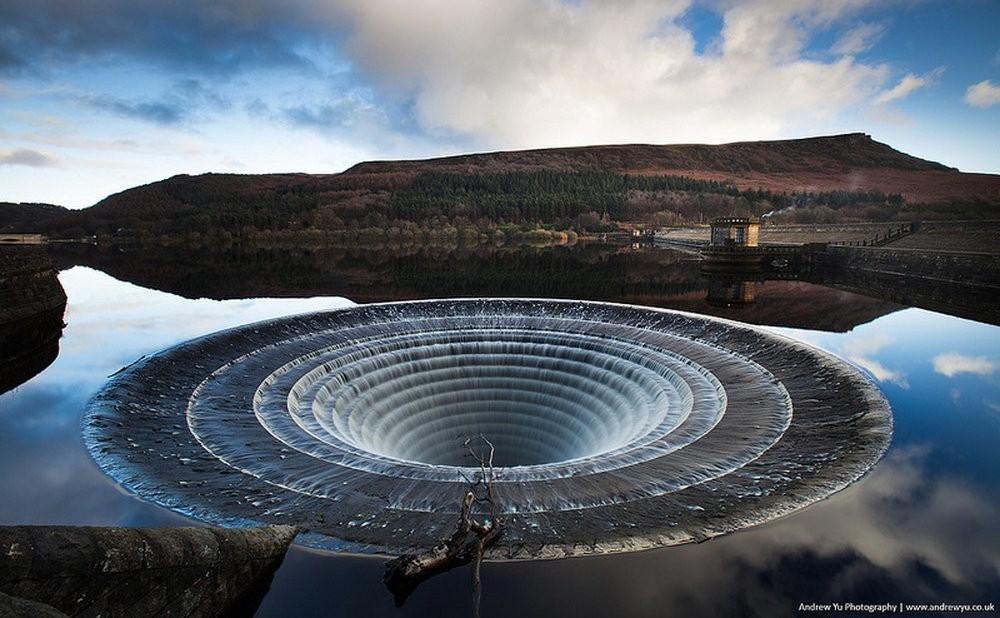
(404, 574)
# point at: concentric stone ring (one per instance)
(616, 427)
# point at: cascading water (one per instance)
(616, 427)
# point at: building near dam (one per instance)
(735, 232)
(733, 244)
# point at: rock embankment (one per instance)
(88, 571)
(28, 283)
(32, 304)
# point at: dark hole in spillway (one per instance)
(615, 427)
(539, 397)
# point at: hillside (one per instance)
(22, 217)
(839, 178)
(838, 162)
(833, 153)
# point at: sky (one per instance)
(97, 96)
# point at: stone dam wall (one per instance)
(967, 268)
(977, 236)
(981, 236)
(88, 571)
(792, 234)
(962, 284)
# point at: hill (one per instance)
(25, 217)
(834, 153)
(587, 189)
(839, 162)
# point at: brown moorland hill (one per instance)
(850, 162)
(582, 188)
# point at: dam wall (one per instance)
(967, 268)
(977, 236)
(982, 236)
(790, 234)
(965, 284)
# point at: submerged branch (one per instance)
(468, 544)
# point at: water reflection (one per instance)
(921, 527)
(648, 276)
(29, 345)
(901, 535)
(730, 291)
(47, 477)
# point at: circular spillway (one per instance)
(615, 427)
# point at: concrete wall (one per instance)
(794, 234)
(85, 571)
(979, 236)
(981, 269)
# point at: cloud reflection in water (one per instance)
(921, 526)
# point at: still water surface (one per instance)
(922, 527)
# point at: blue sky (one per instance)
(98, 96)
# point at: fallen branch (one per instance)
(466, 545)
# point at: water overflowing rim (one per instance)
(399, 467)
(856, 465)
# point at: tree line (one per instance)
(589, 201)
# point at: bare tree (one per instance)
(404, 574)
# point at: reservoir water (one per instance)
(921, 527)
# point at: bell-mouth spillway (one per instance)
(615, 427)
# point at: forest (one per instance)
(233, 207)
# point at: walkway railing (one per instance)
(879, 240)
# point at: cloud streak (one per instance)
(860, 351)
(983, 94)
(26, 157)
(158, 112)
(858, 39)
(908, 84)
(342, 112)
(883, 373)
(177, 105)
(951, 364)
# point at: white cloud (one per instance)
(521, 73)
(859, 350)
(858, 39)
(863, 346)
(908, 84)
(951, 364)
(983, 94)
(899, 522)
(881, 372)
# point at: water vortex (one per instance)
(616, 427)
